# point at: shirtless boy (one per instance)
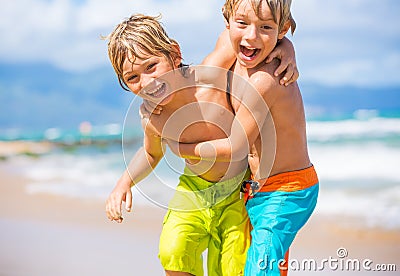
(284, 190)
(148, 63)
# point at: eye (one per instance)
(151, 66)
(266, 27)
(132, 78)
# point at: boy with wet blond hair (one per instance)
(284, 188)
(149, 64)
(206, 211)
(280, 11)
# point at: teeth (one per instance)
(248, 51)
(157, 91)
(247, 47)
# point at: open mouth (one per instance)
(158, 91)
(249, 53)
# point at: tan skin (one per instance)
(153, 149)
(141, 73)
(285, 103)
(194, 129)
(283, 125)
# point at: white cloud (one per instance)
(352, 42)
(67, 34)
(337, 42)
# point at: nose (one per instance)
(251, 32)
(145, 80)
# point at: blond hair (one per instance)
(139, 35)
(280, 9)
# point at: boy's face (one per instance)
(253, 38)
(144, 77)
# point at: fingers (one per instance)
(285, 80)
(283, 65)
(276, 53)
(148, 108)
(291, 75)
(143, 111)
(296, 74)
(113, 208)
(128, 201)
(286, 65)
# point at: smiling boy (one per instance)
(284, 190)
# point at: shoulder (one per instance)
(263, 79)
(148, 127)
(211, 77)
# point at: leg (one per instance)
(230, 240)
(276, 218)
(183, 239)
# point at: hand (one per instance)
(122, 192)
(173, 145)
(285, 52)
(148, 108)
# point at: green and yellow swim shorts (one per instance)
(205, 215)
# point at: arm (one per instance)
(141, 165)
(223, 55)
(284, 51)
(246, 126)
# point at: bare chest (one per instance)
(208, 118)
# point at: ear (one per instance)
(226, 19)
(284, 29)
(226, 23)
(178, 58)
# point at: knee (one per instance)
(178, 261)
(168, 249)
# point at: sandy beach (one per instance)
(54, 235)
(45, 234)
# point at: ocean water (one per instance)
(357, 159)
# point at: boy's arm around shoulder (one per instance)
(213, 69)
(141, 165)
(223, 55)
(256, 96)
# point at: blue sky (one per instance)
(347, 42)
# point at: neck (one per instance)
(184, 89)
(181, 98)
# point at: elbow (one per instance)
(153, 159)
(239, 152)
(234, 152)
(223, 152)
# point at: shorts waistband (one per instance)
(289, 181)
(202, 184)
(208, 194)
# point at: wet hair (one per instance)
(280, 9)
(136, 37)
